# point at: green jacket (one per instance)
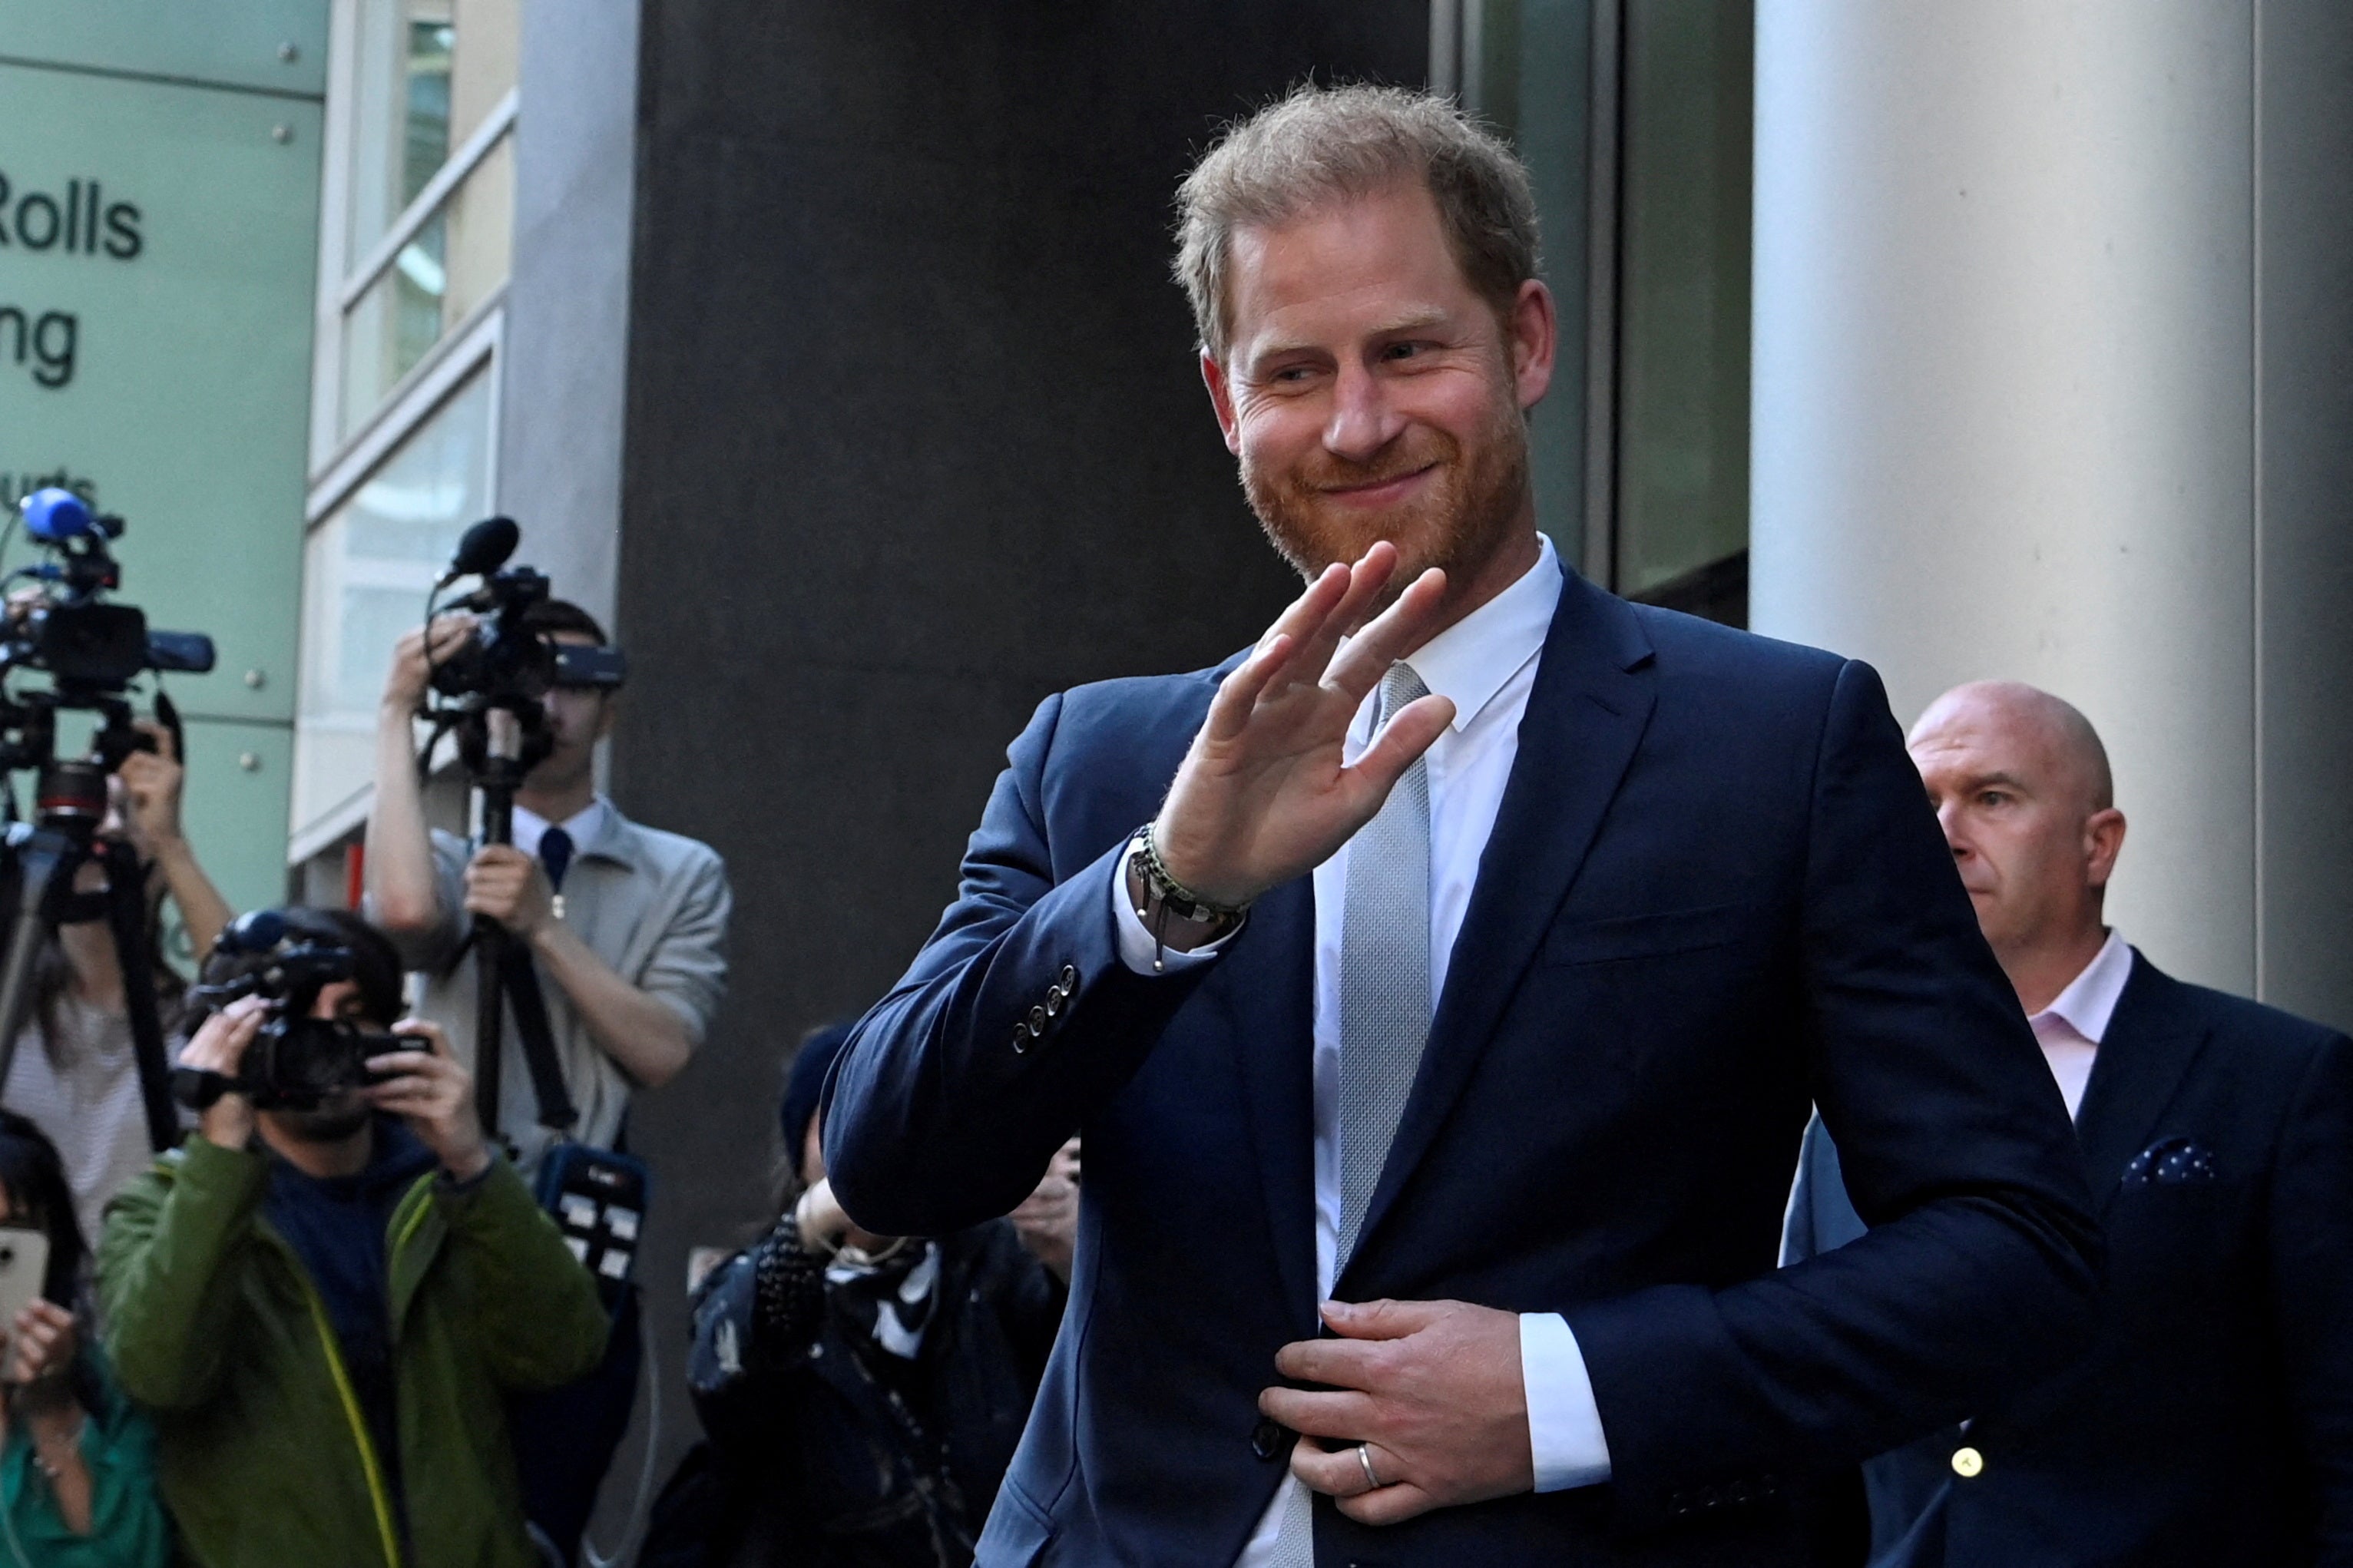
(214, 1326)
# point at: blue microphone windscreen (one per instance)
(54, 516)
(257, 930)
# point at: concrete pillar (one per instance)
(564, 360)
(2053, 377)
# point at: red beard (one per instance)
(1456, 523)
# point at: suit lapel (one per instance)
(1266, 984)
(1585, 715)
(2149, 1048)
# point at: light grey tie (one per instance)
(1384, 971)
(1384, 1013)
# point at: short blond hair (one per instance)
(1323, 144)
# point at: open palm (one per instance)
(1265, 793)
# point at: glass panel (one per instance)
(429, 73)
(1683, 244)
(366, 570)
(424, 144)
(1531, 77)
(455, 261)
(1681, 411)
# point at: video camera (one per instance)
(506, 658)
(491, 690)
(68, 630)
(90, 649)
(297, 1060)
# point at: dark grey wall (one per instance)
(913, 437)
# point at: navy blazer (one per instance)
(2211, 1423)
(1714, 893)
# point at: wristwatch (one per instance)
(1165, 900)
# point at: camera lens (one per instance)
(72, 790)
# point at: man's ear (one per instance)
(2103, 838)
(1221, 398)
(608, 715)
(1531, 335)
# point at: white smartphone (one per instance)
(24, 1265)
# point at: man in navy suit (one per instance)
(2211, 1423)
(1441, 985)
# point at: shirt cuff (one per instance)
(1136, 948)
(1564, 1423)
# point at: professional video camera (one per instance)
(506, 667)
(66, 629)
(62, 626)
(90, 650)
(297, 1060)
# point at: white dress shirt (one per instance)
(1487, 664)
(584, 825)
(2073, 1027)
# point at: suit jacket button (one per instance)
(1266, 1437)
(1968, 1463)
(1070, 977)
(1038, 1020)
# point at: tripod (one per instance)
(501, 739)
(45, 856)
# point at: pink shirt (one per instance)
(2072, 1028)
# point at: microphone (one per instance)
(256, 930)
(482, 550)
(54, 516)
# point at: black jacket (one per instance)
(826, 1451)
(2210, 1424)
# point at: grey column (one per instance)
(2054, 338)
(565, 361)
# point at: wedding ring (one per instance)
(1365, 1457)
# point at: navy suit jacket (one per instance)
(1714, 894)
(2211, 1423)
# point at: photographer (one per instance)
(324, 1325)
(74, 1074)
(634, 944)
(626, 926)
(77, 1462)
(862, 1394)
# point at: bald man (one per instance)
(2210, 1424)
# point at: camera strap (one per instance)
(519, 976)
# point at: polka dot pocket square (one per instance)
(2170, 1163)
